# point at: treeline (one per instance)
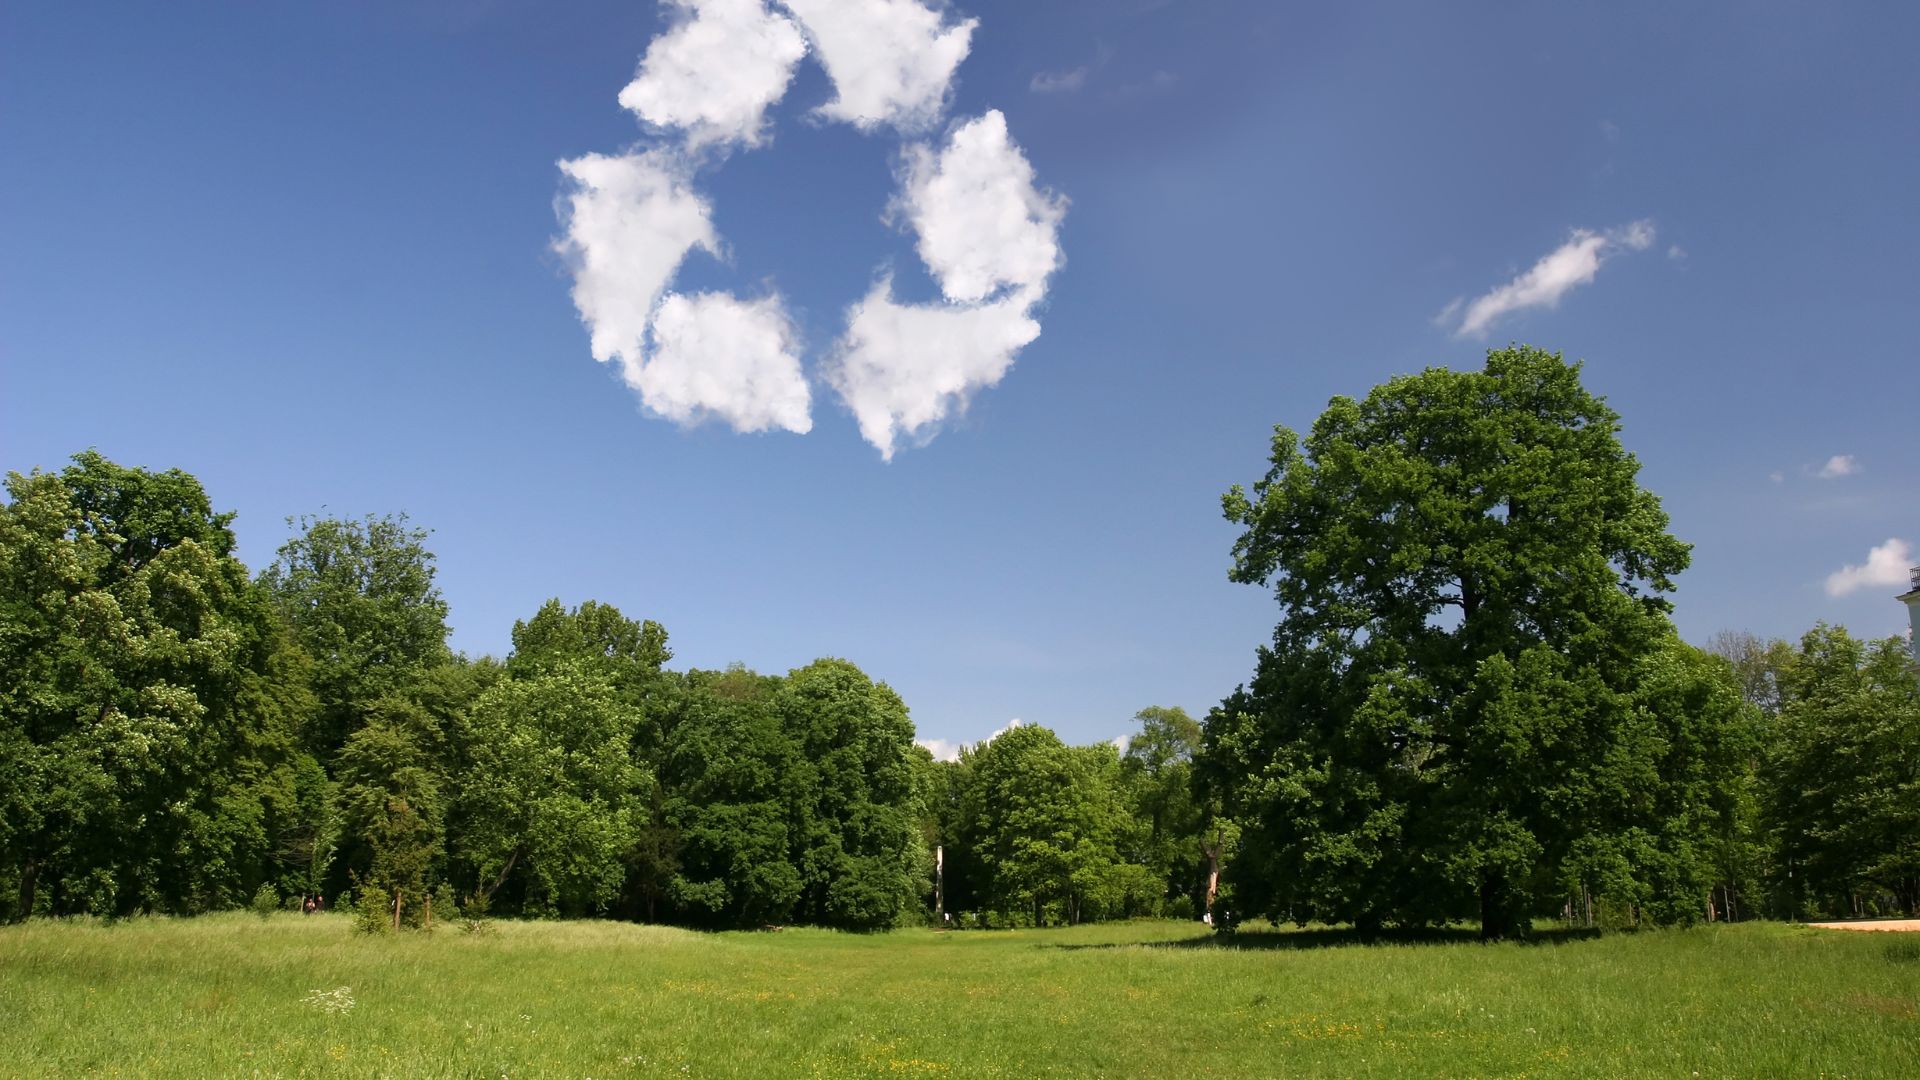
(1474, 706)
(177, 735)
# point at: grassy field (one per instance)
(235, 995)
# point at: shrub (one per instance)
(373, 910)
(266, 900)
(473, 916)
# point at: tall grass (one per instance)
(234, 995)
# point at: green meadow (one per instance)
(238, 995)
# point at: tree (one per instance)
(593, 633)
(1157, 779)
(550, 788)
(1758, 665)
(729, 770)
(1844, 776)
(1469, 575)
(857, 844)
(146, 758)
(361, 596)
(393, 792)
(1041, 822)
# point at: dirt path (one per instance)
(1870, 924)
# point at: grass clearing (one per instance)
(236, 995)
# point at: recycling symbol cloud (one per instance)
(986, 232)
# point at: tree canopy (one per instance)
(1473, 704)
(1471, 580)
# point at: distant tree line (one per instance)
(1474, 706)
(177, 735)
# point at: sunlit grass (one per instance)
(297, 996)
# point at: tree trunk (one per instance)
(487, 894)
(1213, 852)
(396, 909)
(28, 875)
(1496, 918)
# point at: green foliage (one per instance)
(147, 758)
(391, 802)
(361, 597)
(1042, 823)
(1446, 720)
(373, 910)
(265, 901)
(551, 787)
(1474, 704)
(728, 768)
(1164, 833)
(592, 633)
(1844, 776)
(852, 789)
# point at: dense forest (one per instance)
(1474, 706)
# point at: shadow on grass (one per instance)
(1338, 937)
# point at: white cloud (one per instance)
(716, 72)
(1011, 724)
(629, 221)
(981, 221)
(941, 749)
(1887, 565)
(1777, 476)
(1838, 465)
(1572, 264)
(1055, 82)
(989, 237)
(1121, 742)
(891, 61)
(986, 231)
(715, 355)
(904, 368)
(1676, 253)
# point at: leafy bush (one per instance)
(266, 900)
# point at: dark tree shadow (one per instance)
(1339, 937)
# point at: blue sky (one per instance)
(308, 253)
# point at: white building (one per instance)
(1912, 600)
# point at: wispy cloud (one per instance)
(1887, 565)
(1057, 82)
(1157, 83)
(1837, 466)
(891, 61)
(988, 234)
(1568, 266)
(716, 72)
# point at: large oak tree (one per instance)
(1448, 718)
